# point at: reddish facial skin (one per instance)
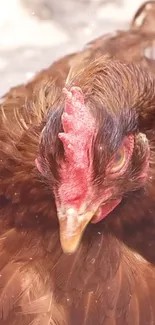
(105, 210)
(76, 187)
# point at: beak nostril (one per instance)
(76, 198)
(75, 202)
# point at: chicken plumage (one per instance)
(19, 106)
(103, 281)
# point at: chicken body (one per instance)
(103, 282)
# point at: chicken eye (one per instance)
(118, 161)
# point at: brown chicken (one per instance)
(62, 174)
(135, 45)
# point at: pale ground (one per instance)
(28, 44)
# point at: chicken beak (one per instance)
(72, 226)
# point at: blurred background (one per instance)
(33, 33)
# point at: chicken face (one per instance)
(104, 157)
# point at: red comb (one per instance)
(78, 126)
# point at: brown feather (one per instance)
(107, 286)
